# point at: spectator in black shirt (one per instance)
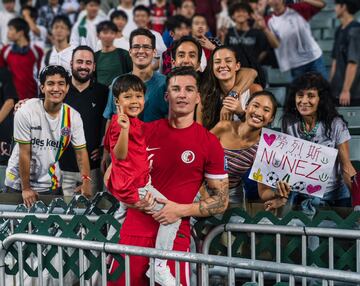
(89, 99)
(345, 71)
(8, 97)
(254, 40)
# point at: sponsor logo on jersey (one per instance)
(66, 131)
(188, 157)
(36, 127)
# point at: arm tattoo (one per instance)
(218, 201)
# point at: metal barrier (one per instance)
(278, 230)
(104, 248)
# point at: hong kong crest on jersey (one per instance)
(65, 131)
(188, 157)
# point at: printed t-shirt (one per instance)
(32, 125)
(128, 175)
(179, 161)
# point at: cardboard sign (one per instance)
(306, 166)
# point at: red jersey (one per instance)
(159, 15)
(179, 161)
(22, 67)
(128, 175)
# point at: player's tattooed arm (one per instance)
(218, 200)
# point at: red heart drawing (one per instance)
(269, 139)
(313, 189)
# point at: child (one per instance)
(127, 178)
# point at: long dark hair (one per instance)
(326, 111)
(210, 88)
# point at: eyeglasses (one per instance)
(147, 48)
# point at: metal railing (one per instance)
(278, 231)
(109, 248)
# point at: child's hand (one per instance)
(123, 119)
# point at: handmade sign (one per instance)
(306, 166)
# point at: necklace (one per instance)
(309, 134)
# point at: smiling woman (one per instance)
(240, 141)
(217, 86)
(310, 114)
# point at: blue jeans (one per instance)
(314, 66)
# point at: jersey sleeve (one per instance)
(22, 126)
(78, 137)
(215, 165)
(305, 9)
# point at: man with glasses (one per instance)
(43, 129)
(142, 52)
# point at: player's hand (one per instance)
(29, 197)
(85, 189)
(169, 214)
(232, 104)
(19, 104)
(123, 119)
(146, 204)
(226, 114)
(275, 203)
(282, 190)
(205, 43)
(344, 99)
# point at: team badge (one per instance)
(66, 131)
(188, 157)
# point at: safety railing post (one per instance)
(2, 265)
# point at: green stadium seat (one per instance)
(280, 94)
(326, 45)
(355, 148)
(351, 115)
(276, 124)
(278, 78)
(322, 22)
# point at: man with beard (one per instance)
(89, 99)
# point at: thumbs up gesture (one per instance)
(123, 119)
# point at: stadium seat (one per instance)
(328, 34)
(280, 94)
(277, 78)
(326, 45)
(355, 148)
(322, 22)
(351, 115)
(276, 124)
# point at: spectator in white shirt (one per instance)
(128, 7)
(84, 30)
(61, 52)
(6, 15)
(38, 33)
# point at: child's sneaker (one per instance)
(163, 276)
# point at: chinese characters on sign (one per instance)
(306, 166)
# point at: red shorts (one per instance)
(140, 264)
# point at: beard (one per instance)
(79, 78)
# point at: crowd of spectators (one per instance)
(224, 45)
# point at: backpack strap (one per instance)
(47, 57)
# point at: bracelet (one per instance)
(86, 177)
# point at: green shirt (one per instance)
(112, 64)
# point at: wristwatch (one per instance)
(233, 94)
